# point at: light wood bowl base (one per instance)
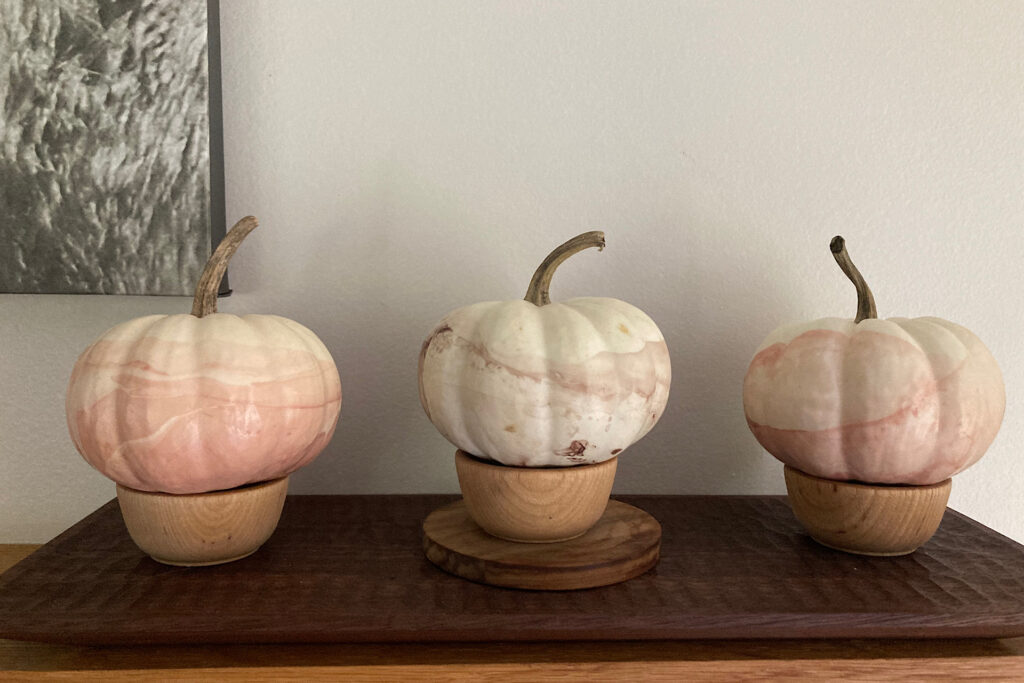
(866, 519)
(201, 529)
(534, 504)
(624, 543)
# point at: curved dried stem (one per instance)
(205, 300)
(865, 300)
(537, 293)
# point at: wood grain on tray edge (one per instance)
(651, 660)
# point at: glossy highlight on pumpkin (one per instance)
(182, 404)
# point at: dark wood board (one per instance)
(622, 545)
(352, 569)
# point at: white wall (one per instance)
(407, 158)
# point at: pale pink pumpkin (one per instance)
(898, 401)
(188, 403)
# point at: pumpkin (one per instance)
(897, 401)
(203, 402)
(534, 383)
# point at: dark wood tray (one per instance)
(351, 569)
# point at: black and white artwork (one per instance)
(111, 177)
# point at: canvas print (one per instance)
(110, 177)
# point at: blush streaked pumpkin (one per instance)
(187, 404)
(897, 401)
(532, 383)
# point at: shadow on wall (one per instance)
(723, 310)
(374, 326)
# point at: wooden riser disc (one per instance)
(623, 544)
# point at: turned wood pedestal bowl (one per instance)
(540, 528)
(194, 530)
(866, 519)
(534, 504)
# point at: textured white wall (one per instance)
(407, 158)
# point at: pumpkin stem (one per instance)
(205, 300)
(865, 300)
(537, 293)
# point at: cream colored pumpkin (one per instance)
(553, 384)
(195, 403)
(898, 401)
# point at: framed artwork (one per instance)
(111, 152)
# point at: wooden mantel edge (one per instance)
(964, 668)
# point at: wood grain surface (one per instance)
(13, 553)
(866, 519)
(622, 545)
(195, 530)
(534, 504)
(698, 660)
(352, 569)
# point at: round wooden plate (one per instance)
(623, 544)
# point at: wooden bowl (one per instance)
(534, 504)
(866, 519)
(198, 529)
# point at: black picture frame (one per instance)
(218, 208)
